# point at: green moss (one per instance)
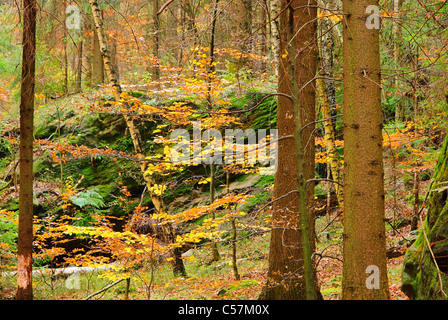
(420, 278)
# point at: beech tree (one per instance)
(179, 268)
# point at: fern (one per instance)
(88, 198)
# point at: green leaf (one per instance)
(87, 198)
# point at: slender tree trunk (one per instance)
(326, 52)
(275, 33)
(215, 252)
(246, 24)
(25, 239)
(330, 141)
(396, 32)
(65, 65)
(308, 272)
(258, 35)
(286, 255)
(191, 21)
(179, 268)
(156, 37)
(211, 68)
(327, 94)
(416, 192)
(365, 264)
(234, 239)
(78, 79)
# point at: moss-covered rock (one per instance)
(420, 277)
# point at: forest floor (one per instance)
(210, 281)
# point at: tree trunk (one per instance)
(155, 43)
(365, 269)
(286, 266)
(234, 239)
(308, 270)
(415, 191)
(65, 65)
(396, 32)
(246, 24)
(215, 252)
(25, 239)
(275, 33)
(78, 79)
(97, 61)
(157, 200)
(326, 50)
(330, 141)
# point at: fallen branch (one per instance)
(105, 288)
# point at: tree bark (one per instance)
(286, 267)
(304, 219)
(97, 66)
(25, 239)
(416, 192)
(156, 39)
(396, 32)
(326, 51)
(215, 252)
(78, 79)
(364, 230)
(330, 141)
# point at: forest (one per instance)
(223, 150)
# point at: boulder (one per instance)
(423, 277)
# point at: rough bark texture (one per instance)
(364, 230)
(420, 278)
(285, 274)
(25, 240)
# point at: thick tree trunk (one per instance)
(365, 268)
(286, 255)
(157, 200)
(25, 239)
